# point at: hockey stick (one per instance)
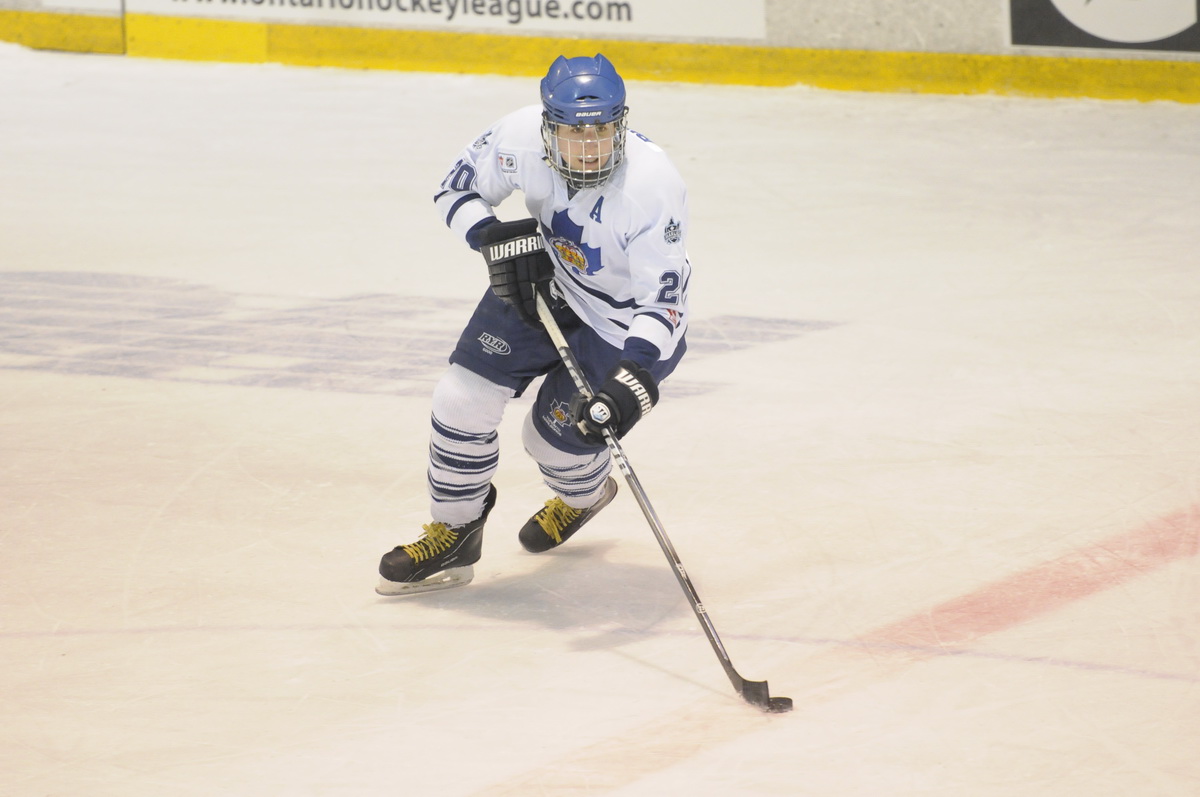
(753, 692)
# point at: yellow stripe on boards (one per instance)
(849, 70)
(191, 38)
(79, 33)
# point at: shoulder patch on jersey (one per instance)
(508, 162)
(481, 142)
(673, 232)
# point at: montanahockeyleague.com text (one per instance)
(513, 11)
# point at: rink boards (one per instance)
(728, 44)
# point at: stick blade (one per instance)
(758, 695)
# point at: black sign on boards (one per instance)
(1107, 24)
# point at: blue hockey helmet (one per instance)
(585, 95)
(583, 91)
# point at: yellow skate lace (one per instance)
(556, 516)
(437, 538)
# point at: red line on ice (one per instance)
(1047, 587)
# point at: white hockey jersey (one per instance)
(619, 250)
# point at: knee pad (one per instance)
(466, 401)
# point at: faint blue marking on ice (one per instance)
(150, 328)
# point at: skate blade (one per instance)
(447, 579)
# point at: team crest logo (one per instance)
(673, 233)
(482, 141)
(558, 417)
(573, 256)
(566, 238)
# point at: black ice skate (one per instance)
(556, 522)
(441, 559)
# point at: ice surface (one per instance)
(933, 461)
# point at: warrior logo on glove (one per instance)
(517, 246)
(639, 391)
(517, 264)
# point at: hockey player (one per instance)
(605, 245)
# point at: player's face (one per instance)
(585, 148)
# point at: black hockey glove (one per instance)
(627, 395)
(517, 264)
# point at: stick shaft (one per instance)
(635, 486)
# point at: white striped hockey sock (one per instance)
(464, 449)
(578, 479)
